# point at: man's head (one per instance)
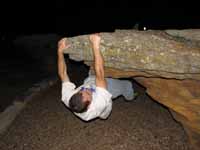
(80, 101)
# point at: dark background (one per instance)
(77, 17)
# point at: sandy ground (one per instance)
(46, 124)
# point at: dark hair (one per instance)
(76, 104)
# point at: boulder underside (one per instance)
(182, 97)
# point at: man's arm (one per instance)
(98, 61)
(62, 68)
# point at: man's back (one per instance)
(101, 103)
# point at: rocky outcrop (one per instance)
(153, 53)
(189, 34)
(182, 98)
(169, 68)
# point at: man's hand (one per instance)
(63, 44)
(95, 40)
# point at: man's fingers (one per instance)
(97, 34)
(63, 44)
(68, 45)
(62, 40)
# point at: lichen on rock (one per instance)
(153, 52)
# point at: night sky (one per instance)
(77, 17)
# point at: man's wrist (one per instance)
(95, 47)
(60, 51)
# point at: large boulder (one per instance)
(169, 68)
(154, 53)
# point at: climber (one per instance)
(92, 99)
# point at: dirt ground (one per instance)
(15, 78)
(46, 124)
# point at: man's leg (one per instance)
(120, 87)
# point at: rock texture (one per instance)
(152, 52)
(182, 98)
(190, 34)
(167, 65)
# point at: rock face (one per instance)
(154, 53)
(169, 68)
(189, 34)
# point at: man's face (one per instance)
(86, 94)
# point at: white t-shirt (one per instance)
(100, 106)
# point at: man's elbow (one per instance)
(60, 75)
(99, 72)
(87, 119)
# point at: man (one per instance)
(92, 99)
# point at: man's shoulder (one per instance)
(68, 84)
(103, 92)
(68, 89)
